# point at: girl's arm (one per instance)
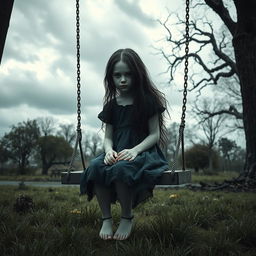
(110, 154)
(148, 142)
(152, 138)
(108, 141)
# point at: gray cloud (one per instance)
(28, 90)
(133, 10)
(38, 24)
(37, 27)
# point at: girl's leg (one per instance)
(124, 194)
(103, 195)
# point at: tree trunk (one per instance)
(245, 50)
(210, 156)
(22, 165)
(244, 42)
(44, 169)
(45, 166)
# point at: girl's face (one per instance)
(122, 77)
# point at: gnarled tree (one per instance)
(243, 66)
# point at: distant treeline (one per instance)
(42, 144)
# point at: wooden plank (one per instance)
(73, 178)
(176, 178)
(168, 178)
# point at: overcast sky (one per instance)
(38, 70)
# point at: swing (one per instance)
(170, 177)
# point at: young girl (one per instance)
(133, 161)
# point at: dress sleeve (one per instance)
(106, 114)
(153, 107)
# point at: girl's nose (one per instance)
(123, 78)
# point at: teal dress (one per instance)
(142, 173)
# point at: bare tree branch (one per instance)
(211, 72)
(225, 68)
(222, 11)
(46, 125)
(210, 126)
(231, 111)
(206, 113)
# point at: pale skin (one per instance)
(123, 82)
(129, 154)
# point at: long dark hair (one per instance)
(143, 90)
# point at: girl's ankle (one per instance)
(106, 218)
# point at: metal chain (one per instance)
(74, 154)
(79, 133)
(183, 116)
(186, 66)
(78, 67)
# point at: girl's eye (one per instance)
(118, 75)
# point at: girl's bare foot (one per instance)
(106, 231)
(124, 228)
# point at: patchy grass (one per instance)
(217, 177)
(173, 222)
(29, 178)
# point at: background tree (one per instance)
(237, 159)
(229, 104)
(46, 125)
(243, 34)
(67, 131)
(53, 150)
(93, 145)
(231, 154)
(20, 143)
(197, 157)
(3, 156)
(226, 147)
(210, 126)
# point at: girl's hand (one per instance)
(110, 157)
(127, 154)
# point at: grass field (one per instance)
(173, 222)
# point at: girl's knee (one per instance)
(95, 164)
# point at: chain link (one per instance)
(183, 116)
(79, 133)
(78, 67)
(186, 66)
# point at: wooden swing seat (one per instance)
(178, 177)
